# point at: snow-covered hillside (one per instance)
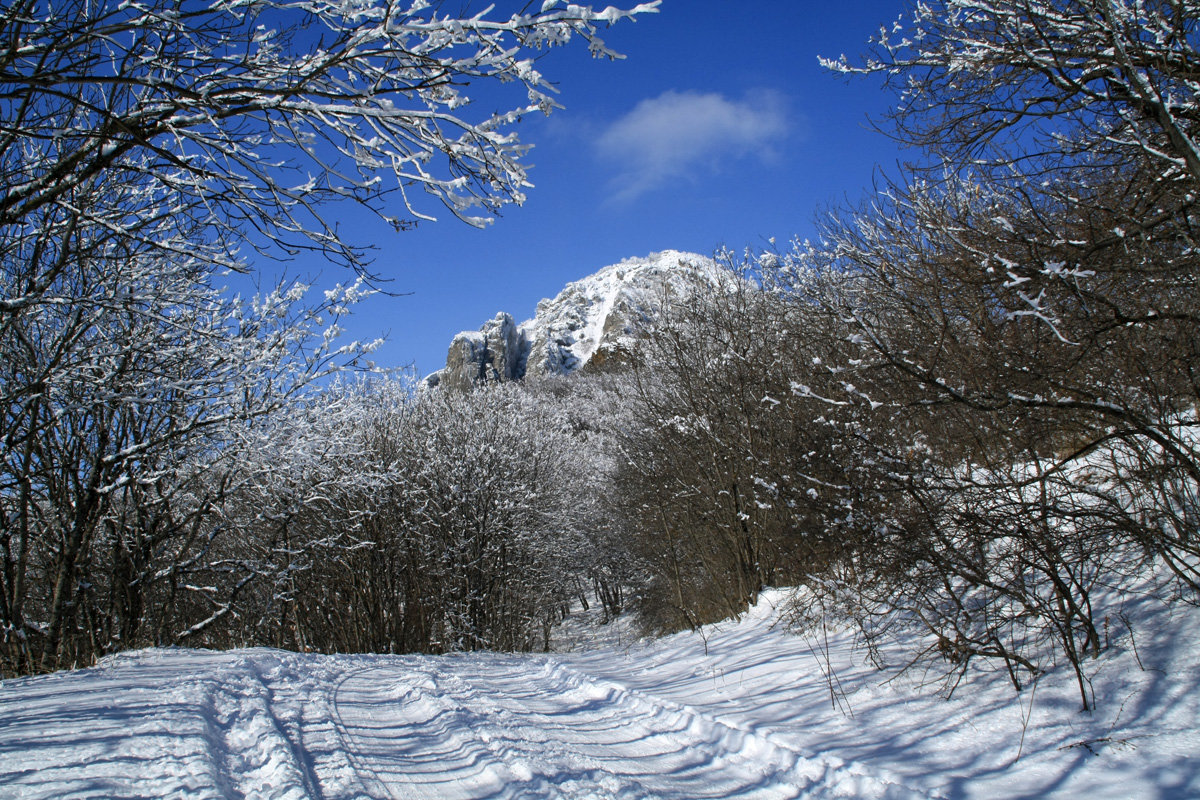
(590, 320)
(744, 710)
(604, 309)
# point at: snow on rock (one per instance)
(592, 321)
(741, 709)
(496, 352)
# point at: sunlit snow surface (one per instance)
(744, 711)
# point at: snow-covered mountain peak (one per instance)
(600, 314)
(591, 321)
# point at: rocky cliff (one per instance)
(593, 321)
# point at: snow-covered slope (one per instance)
(588, 322)
(603, 310)
(744, 710)
(821, 697)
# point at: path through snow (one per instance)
(743, 711)
(264, 723)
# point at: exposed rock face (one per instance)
(495, 352)
(592, 322)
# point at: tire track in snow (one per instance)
(507, 727)
(421, 733)
(816, 776)
(374, 784)
(661, 755)
(303, 697)
(253, 755)
(279, 708)
(282, 713)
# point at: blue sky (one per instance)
(719, 128)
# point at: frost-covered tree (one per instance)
(732, 474)
(120, 420)
(1022, 301)
(316, 515)
(441, 522)
(498, 489)
(145, 149)
(1025, 88)
(245, 116)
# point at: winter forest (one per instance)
(963, 419)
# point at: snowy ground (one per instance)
(743, 711)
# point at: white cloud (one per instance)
(683, 134)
